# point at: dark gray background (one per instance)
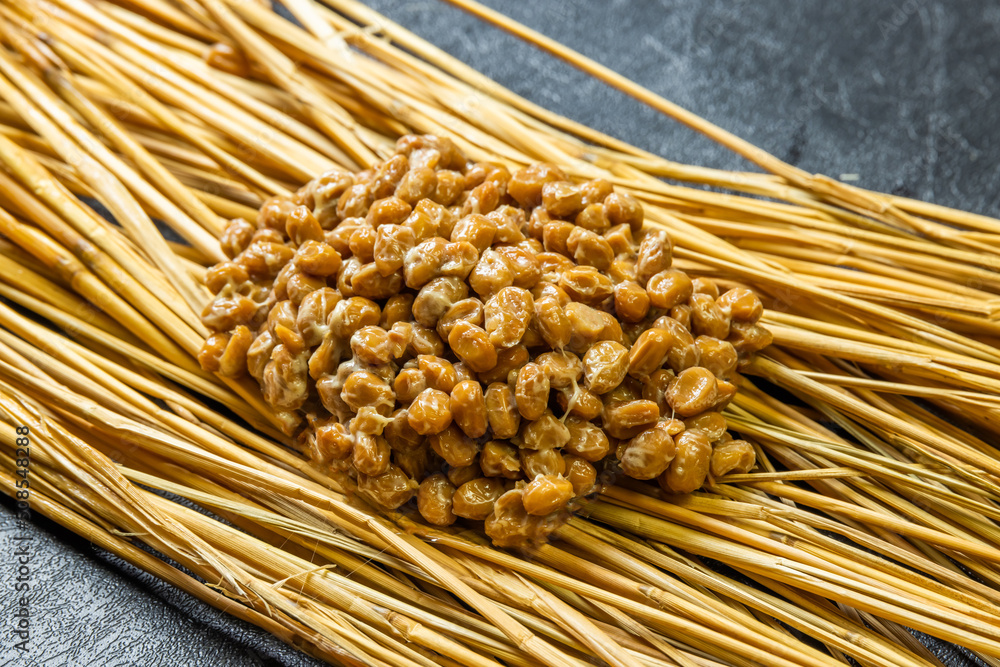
(901, 94)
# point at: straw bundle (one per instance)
(875, 505)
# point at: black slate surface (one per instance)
(903, 94)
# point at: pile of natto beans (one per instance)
(490, 343)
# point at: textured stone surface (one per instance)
(902, 94)
(89, 608)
